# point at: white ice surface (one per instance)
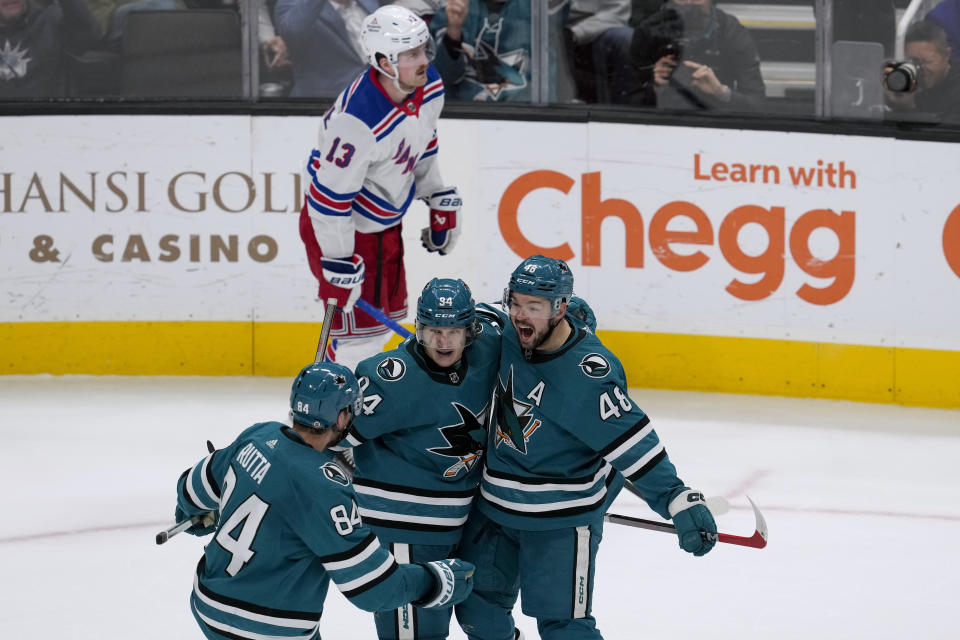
(861, 501)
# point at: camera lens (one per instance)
(902, 78)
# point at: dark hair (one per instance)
(927, 31)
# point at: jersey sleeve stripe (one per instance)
(352, 440)
(358, 554)
(210, 484)
(352, 551)
(255, 613)
(365, 485)
(646, 463)
(196, 477)
(370, 579)
(629, 439)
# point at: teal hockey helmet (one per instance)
(543, 277)
(321, 391)
(445, 302)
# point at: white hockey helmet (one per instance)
(391, 30)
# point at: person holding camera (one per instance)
(926, 84)
(691, 55)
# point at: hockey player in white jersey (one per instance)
(285, 523)
(377, 151)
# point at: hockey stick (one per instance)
(383, 318)
(757, 541)
(183, 525)
(325, 329)
(180, 527)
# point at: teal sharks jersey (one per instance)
(566, 434)
(287, 524)
(420, 438)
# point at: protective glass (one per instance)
(443, 338)
(532, 307)
(412, 57)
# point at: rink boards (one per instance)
(758, 262)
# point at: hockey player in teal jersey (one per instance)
(566, 435)
(287, 523)
(420, 437)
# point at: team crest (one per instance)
(515, 422)
(595, 365)
(334, 473)
(391, 369)
(465, 440)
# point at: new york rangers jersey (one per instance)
(566, 434)
(287, 525)
(372, 159)
(421, 436)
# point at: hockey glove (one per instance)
(206, 526)
(346, 274)
(454, 583)
(694, 522)
(444, 227)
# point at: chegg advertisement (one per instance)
(177, 221)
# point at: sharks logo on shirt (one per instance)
(515, 422)
(464, 440)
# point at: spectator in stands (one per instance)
(323, 39)
(947, 15)
(598, 41)
(692, 55)
(937, 92)
(112, 13)
(33, 38)
(484, 54)
(425, 9)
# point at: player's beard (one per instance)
(538, 337)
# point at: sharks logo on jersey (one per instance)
(515, 422)
(391, 369)
(464, 439)
(595, 365)
(334, 473)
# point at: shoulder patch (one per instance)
(595, 365)
(391, 369)
(334, 473)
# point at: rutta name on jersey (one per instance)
(253, 462)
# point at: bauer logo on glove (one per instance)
(444, 227)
